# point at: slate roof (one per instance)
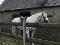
(24, 4)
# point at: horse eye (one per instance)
(44, 17)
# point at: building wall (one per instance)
(55, 12)
(5, 17)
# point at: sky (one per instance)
(1, 1)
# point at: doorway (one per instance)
(27, 13)
(23, 13)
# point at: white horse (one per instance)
(36, 18)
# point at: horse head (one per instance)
(44, 17)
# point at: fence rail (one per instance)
(31, 39)
(41, 25)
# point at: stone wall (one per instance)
(5, 17)
(55, 12)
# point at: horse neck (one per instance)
(37, 17)
(40, 18)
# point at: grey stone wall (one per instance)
(55, 12)
(5, 17)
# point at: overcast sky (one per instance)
(1, 1)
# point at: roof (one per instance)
(24, 4)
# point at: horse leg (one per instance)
(13, 30)
(27, 33)
(32, 34)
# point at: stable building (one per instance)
(10, 9)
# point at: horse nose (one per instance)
(46, 21)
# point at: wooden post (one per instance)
(24, 31)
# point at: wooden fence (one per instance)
(43, 25)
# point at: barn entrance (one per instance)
(23, 13)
